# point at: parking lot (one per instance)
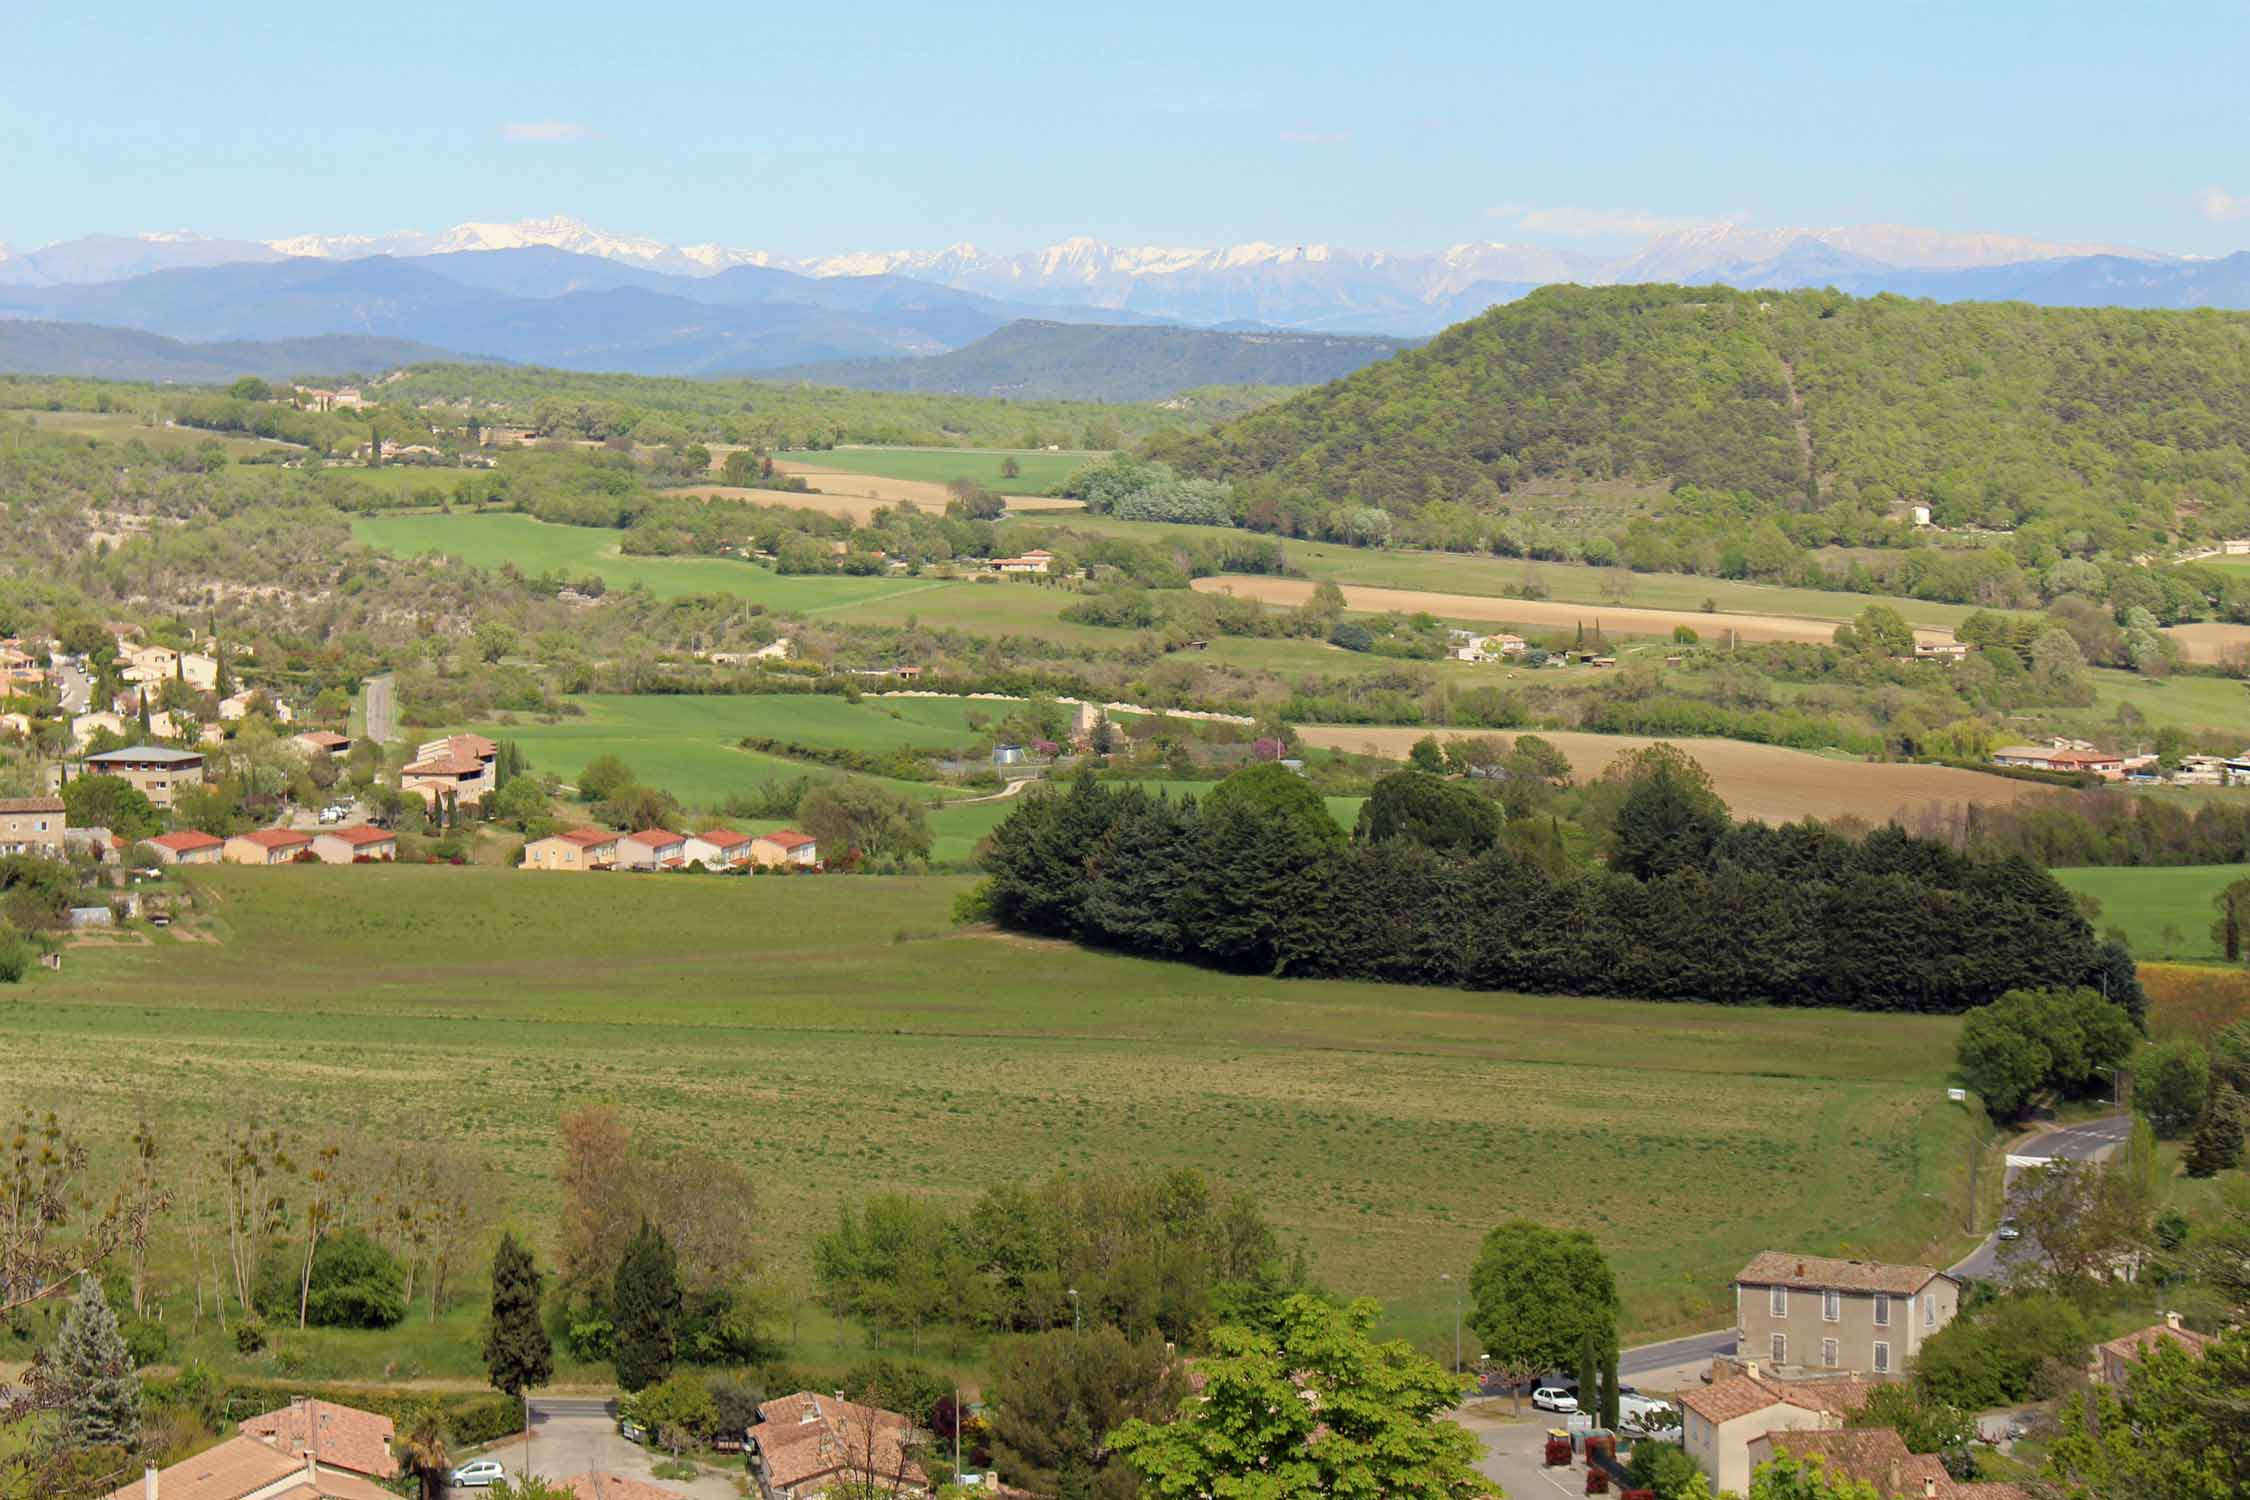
(571, 1435)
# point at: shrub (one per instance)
(2012, 1349)
(356, 1283)
(250, 1335)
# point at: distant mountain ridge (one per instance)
(90, 351)
(1039, 360)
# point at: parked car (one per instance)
(1553, 1398)
(2009, 1230)
(478, 1474)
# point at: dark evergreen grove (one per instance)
(1691, 905)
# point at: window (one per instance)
(1777, 1301)
(1882, 1359)
(1781, 1348)
(1929, 1311)
(1828, 1353)
(1831, 1307)
(1882, 1310)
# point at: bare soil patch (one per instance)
(2206, 641)
(1613, 619)
(1764, 782)
(857, 495)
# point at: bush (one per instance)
(250, 1335)
(355, 1284)
(2170, 1082)
(895, 1385)
(2014, 1348)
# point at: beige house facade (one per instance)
(266, 846)
(186, 847)
(579, 849)
(1815, 1315)
(1720, 1422)
(156, 771)
(32, 825)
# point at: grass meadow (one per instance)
(839, 1038)
(2165, 910)
(126, 426)
(2193, 703)
(1040, 471)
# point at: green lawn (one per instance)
(1040, 471)
(838, 1038)
(2150, 902)
(689, 745)
(2184, 701)
(536, 547)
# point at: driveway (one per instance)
(573, 1434)
(2091, 1141)
(382, 713)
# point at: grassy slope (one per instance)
(833, 1036)
(2145, 901)
(2191, 703)
(1042, 471)
(124, 427)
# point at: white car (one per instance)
(477, 1475)
(1553, 1398)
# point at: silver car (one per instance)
(477, 1474)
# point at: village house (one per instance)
(355, 846)
(1718, 1422)
(577, 849)
(267, 846)
(718, 848)
(786, 848)
(32, 825)
(1944, 651)
(85, 726)
(1810, 1313)
(247, 1468)
(2043, 758)
(16, 724)
(149, 664)
(1034, 561)
(2119, 1355)
(600, 1484)
(240, 704)
(1877, 1457)
(808, 1444)
(341, 1437)
(318, 743)
(19, 670)
(156, 771)
(187, 847)
(651, 849)
(460, 764)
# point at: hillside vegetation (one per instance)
(1092, 362)
(2097, 427)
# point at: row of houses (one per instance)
(357, 845)
(580, 849)
(2062, 754)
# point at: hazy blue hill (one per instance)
(95, 352)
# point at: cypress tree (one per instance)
(100, 1390)
(2217, 1143)
(646, 1299)
(1585, 1370)
(1610, 1394)
(517, 1353)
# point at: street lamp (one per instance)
(1448, 1276)
(1075, 1325)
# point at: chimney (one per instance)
(148, 1482)
(1750, 1368)
(1897, 1486)
(2171, 1320)
(1800, 1268)
(1929, 1487)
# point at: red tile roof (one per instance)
(1815, 1273)
(246, 1466)
(1740, 1395)
(588, 837)
(596, 1484)
(789, 838)
(449, 765)
(805, 1437)
(360, 835)
(275, 838)
(2134, 1345)
(31, 805)
(722, 838)
(326, 739)
(186, 841)
(343, 1436)
(655, 838)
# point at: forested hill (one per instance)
(1036, 359)
(1993, 414)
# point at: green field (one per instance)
(537, 547)
(689, 745)
(839, 1039)
(2165, 910)
(125, 427)
(2185, 702)
(1041, 471)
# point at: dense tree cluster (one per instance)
(1690, 907)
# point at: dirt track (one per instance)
(1614, 619)
(1764, 782)
(2204, 642)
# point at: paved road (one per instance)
(77, 691)
(382, 709)
(572, 1435)
(2088, 1142)
(1698, 1348)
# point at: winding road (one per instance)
(2090, 1141)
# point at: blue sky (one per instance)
(820, 128)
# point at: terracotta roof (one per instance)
(1815, 1273)
(331, 1487)
(31, 805)
(2134, 1345)
(789, 838)
(596, 1484)
(472, 744)
(655, 838)
(237, 1467)
(324, 738)
(360, 834)
(723, 838)
(186, 841)
(1740, 1395)
(343, 1436)
(447, 765)
(804, 1437)
(1870, 1455)
(588, 837)
(274, 838)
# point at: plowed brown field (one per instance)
(1614, 619)
(2204, 642)
(857, 495)
(1765, 782)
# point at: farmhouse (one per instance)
(32, 825)
(578, 849)
(343, 1437)
(460, 764)
(788, 847)
(807, 1445)
(267, 846)
(187, 847)
(1718, 1422)
(357, 845)
(718, 848)
(2119, 1355)
(650, 849)
(1808, 1313)
(1878, 1457)
(317, 743)
(1034, 561)
(156, 771)
(2067, 756)
(248, 1468)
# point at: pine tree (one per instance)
(517, 1353)
(100, 1390)
(2217, 1143)
(646, 1300)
